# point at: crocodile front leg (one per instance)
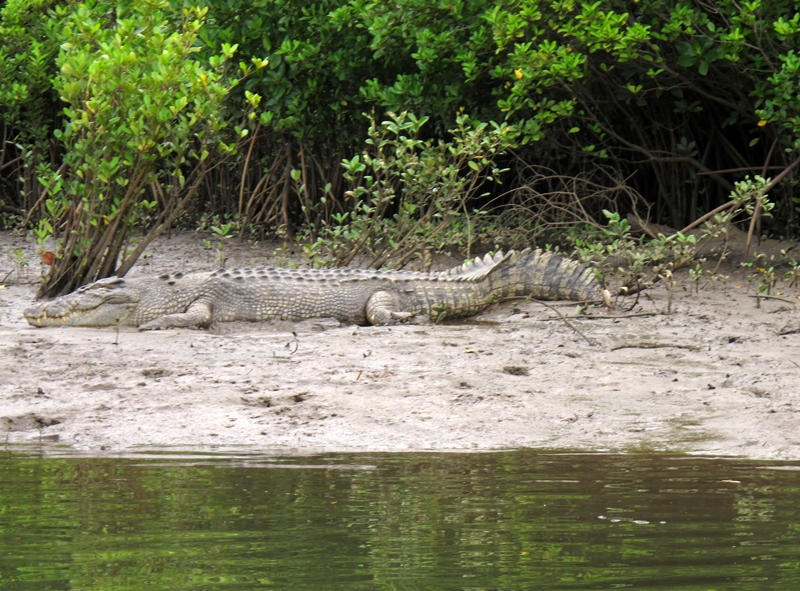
(197, 315)
(383, 308)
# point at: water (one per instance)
(507, 520)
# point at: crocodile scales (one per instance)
(352, 296)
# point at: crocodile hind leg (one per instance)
(383, 308)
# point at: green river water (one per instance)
(514, 520)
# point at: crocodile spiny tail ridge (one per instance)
(537, 274)
(477, 267)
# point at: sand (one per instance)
(712, 373)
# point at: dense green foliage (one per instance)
(140, 110)
(665, 93)
(659, 105)
(28, 101)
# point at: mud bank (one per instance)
(716, 375)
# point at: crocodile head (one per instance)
(103, 303)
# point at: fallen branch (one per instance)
(789, 329)
(771, 297)
(591, 317)
(564, 318)
(657, 346)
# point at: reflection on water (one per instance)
(507, 520)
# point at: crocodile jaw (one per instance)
(103, 303)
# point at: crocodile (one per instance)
(352, 296)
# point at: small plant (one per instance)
(765, 274)
(769, 280)
(695, 274)
(750, 276)
(11, 221)
(9, 427)
(669, 279)
(222, 229)
(440, 311)
(21, 262)
(283, 257)
(792, 276)
(222, 234)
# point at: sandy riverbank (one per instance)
(712, 377)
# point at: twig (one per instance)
(41, 198)
(657, 346)
(708, 216)
(789, 330)
(246, 166)
(752, 228)
(763, 170)
(564, 318)
(296, 344)
(20, 282)
(771, 297)
(757, 210)
(589, 317)
(781, 176)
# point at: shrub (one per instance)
(142, 121)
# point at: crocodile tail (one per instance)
(480, 267)
(551, 276)
(545, 275)
(529, 273)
